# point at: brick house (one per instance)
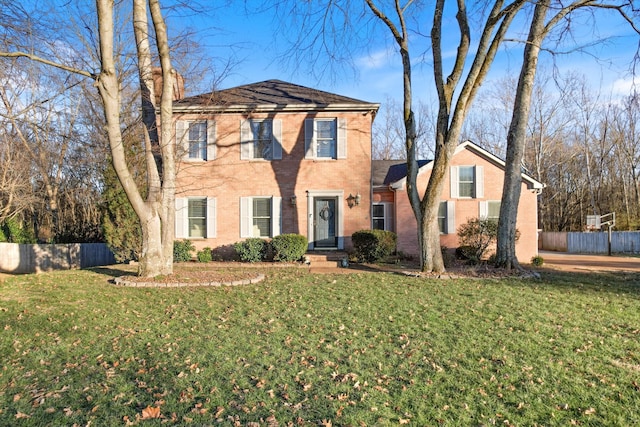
(271, 158)
(472, 189)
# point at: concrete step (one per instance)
(329, 259)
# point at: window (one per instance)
(442, 217)
(325, 131)
(446, 217)
(493, 210)
(382, 216)
(196, 140)
(197, 212)
(260, 139)
(325, 138)
(467, 182)
(260, 216)
(490, 209)
(195, 217)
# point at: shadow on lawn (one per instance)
(618, 282)
(112, 271)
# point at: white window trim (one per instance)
(182, 140)
(478, 180)
(388, 215)
(246, 216)
(182, 217)
(310, 144)
(247, 140)
(450, 218)
(484, 208)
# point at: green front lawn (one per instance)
(303, 349)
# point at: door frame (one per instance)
(326, 194)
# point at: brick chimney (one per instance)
(178, 85)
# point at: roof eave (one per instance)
(245, 108)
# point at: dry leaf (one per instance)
(150, 412)
(404, 421)
(590, 411)
(22, 415)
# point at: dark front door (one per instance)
(325, 222)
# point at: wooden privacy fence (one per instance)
(624, 242)
(23, 258)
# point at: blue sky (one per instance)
(253, 40)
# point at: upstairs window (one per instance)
(196, 140)
(260, 139)
(467, 182)
(325, 138)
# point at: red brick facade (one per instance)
(292, 183)
(463, 208)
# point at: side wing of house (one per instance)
(472, 189)
(273, 171)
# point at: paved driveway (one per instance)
(579, 262)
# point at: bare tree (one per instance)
(156, 209)
(540, 27)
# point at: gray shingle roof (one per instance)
(271, 93)
(386, 172)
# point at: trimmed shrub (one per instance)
(182, 250)
(253, 249)
(476, 235)
(205, 255)
(289, 247)
(373, 245)
(537, 261)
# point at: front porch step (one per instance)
(325, 259)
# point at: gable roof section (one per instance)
(271, 95)
(386, 172)
(400, 175)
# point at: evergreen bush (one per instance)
(253, 249)
(205, 255)
(289, 247)
(182, 250)
(373, 245)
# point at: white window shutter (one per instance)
(483, 209)
(451, 217)
(453, 174)
(211, 140)
(389, 223)
(182, 139)
(246, 217)
(276, 216)
(342, 138)
(276, 139)
(309, 139)
(182, 218)
(246, 140)
(479, 181)
(211, 218)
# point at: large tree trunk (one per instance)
(506, 246)
(156, 213)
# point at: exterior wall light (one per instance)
(294, 199)
(353, 200)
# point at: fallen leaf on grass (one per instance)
(150, 412)
(590, 411)
(20, 415)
